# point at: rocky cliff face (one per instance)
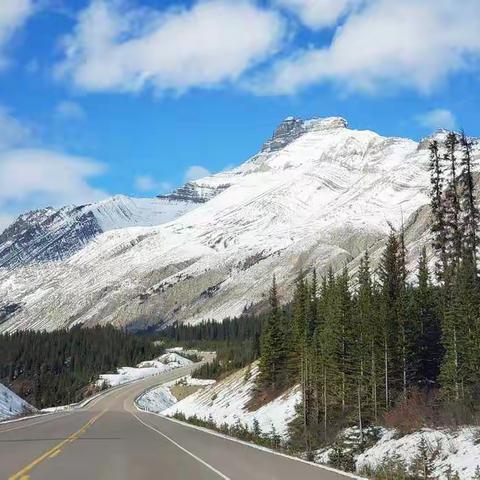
(46, 234)
(55, 234)
(195, 192)
(317, 195)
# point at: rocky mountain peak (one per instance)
(288, 131)
(292, 128)
(326, 123)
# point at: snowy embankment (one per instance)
(164, 363)
(225, 402)
(160, 398)
(11, 405)
(458, 450)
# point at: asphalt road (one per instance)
(109, 439)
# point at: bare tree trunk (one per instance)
(325, 416)
(387, 399)
(455, 350)
(360, 419)
(374, 384)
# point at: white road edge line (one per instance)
(203, 462)
(251, 445)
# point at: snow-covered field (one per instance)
(167, 361)
(11, 405)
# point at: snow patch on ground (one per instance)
(459, 449)
(226, 401)
(11, 405)
(160, 398)
(164, 363)
(156, 400)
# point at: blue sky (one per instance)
(99, 97)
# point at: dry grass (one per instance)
(182, 391)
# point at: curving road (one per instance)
(109, 439)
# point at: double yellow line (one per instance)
(53, 452)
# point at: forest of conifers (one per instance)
(55, 368)
(388, 345)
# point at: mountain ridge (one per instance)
(319, 199)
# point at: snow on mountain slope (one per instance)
(55, 234)
(316, 195)
(11, 405)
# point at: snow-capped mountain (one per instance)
(317, 194)
(11, 405)
(55, 234)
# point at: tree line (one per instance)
(59, 367)
(236, 341)
(362, 346)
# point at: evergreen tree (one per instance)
(273, 360)
(425, 312)
(470, 210)
(391, 285)
(438, 225)
(452, 202)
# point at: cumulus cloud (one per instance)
(13, 14)
(147, 183)
(385, 44)
(121, 48)
(37, 177)
(438, 118)
(195, 172)
(318, 14)
(32, 178)
(69, 110)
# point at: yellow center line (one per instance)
(53, 452)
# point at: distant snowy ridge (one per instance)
(55, 234)
(11, 405)
(316, 195)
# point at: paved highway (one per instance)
(109, 439)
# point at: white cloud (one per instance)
(12, 132)
(388, 43)
(69, 110)
(438, 118)
(147, 183)
(195, 172)
(317, 14)
(13, 14)
(32, 178)
(114, 47)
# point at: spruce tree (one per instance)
(437, 205)
(272, 362)
(452, 204)
(425, 312)
(470, 211)
(390, 281)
